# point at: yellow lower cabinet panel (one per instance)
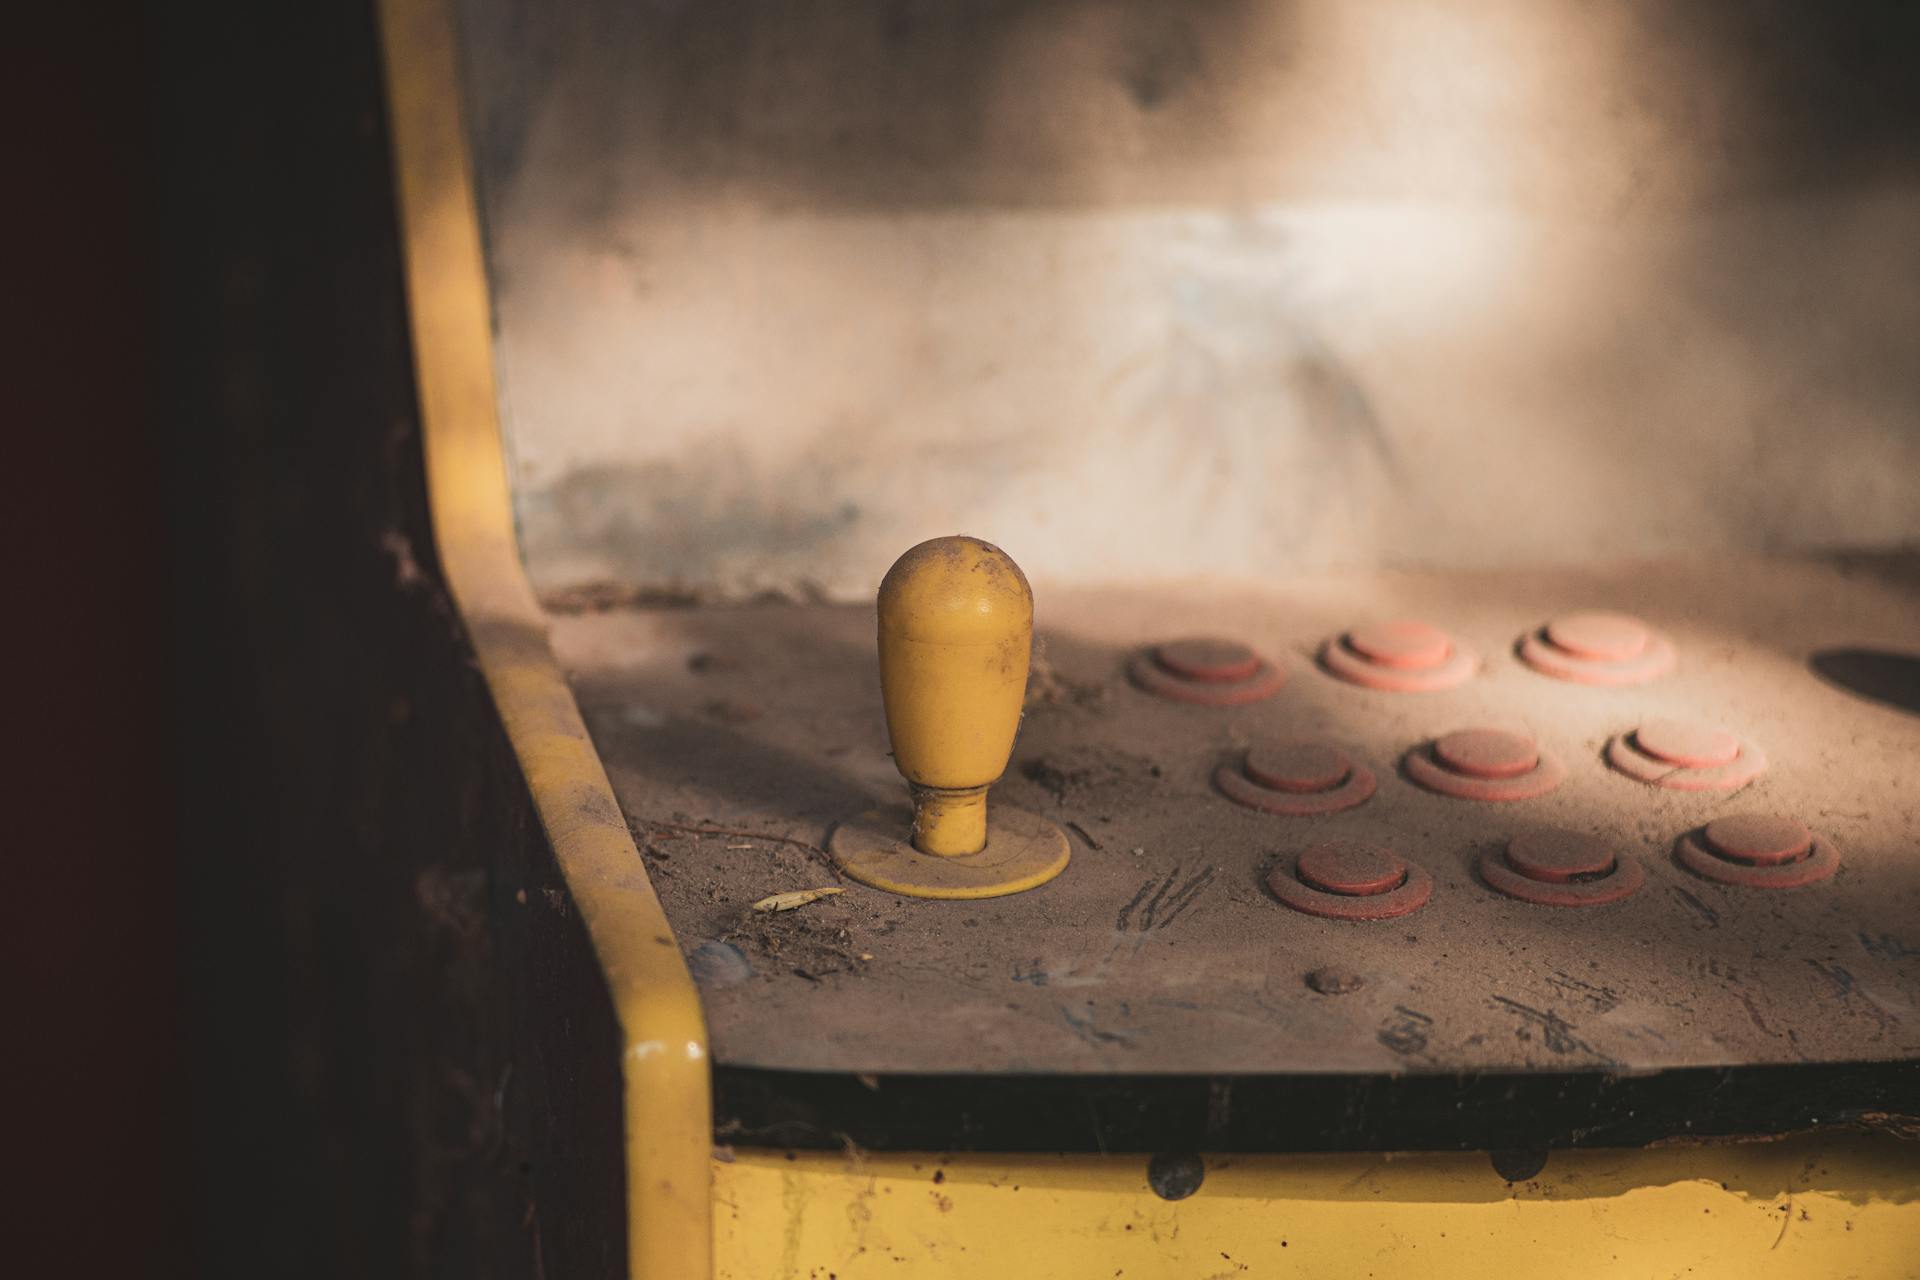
(1810, 1207)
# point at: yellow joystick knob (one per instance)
(956, 632)
(956, 629)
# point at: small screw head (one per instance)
(719, 964)
(1332, 980)
(1518, 1166)
(1175, 1176)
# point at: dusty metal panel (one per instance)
(1148, 289)
(1160, 951)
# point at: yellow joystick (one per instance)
(956, 631)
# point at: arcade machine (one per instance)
(1166, 641)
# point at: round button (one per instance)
(1207, 658)
(1758, 839)
(1689, 745)
(1487, 753)
(1405, 644)
(1599, 636)
(1298, 766)
(1559, 857)
(1356, 870)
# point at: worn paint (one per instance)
(667, 1110)
(1798, 1207)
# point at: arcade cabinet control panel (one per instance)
(1601, 856)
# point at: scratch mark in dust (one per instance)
(1601, 998)
(1844, 988)
(1886, 945)
(1705, 912)
(1554, 1029)
(1753, 1015)
(1837, 976)
(1097, 1037)
(1126, 913)
(1406, 1032)
(1153, 903)
(1166, 904)
(1186, 895)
